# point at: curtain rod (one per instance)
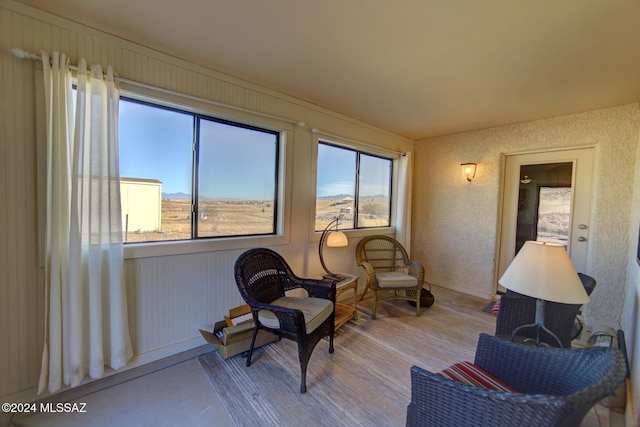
(373, 147)
(22, 54)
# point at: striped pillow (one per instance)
(468, 373)
(495, 310)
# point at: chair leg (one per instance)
(304, 361)
(332, 331)
(303, 381)
(253, 341)
(418, 305)
(366, 288)
(375, 303)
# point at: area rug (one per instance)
(365, 382)
(267, 392)
(487, 308)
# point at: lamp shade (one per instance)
(337, 239)
(544, 271)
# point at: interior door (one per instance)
(546, 197)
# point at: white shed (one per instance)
(141, 204)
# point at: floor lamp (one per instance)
(334, 239)
(544, 271)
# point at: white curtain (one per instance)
(86, 310)
(405, 177)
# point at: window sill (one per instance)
(359, 232)
(158, 249)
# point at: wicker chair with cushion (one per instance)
(553, 387)
(263, 277)
(517, 310)
(390, 273)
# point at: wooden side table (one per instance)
(346, 312)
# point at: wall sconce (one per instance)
(468, 170)
(334, 239)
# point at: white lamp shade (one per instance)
(545, 271)
(337, 239)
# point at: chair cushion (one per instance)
(396, 279)
(315, 311)
(468, 373)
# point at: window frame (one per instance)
(282, 208)
(314, 235)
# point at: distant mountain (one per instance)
(185, 196)
(334, 197)
(343, 196)
(180, 195)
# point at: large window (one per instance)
(187, 176)
(353, 186)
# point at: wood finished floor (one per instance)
(181, 394)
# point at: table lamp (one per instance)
(544, 271)
(334, 239)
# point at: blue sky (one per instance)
(156, 144)
(235, 162)
(336, 173)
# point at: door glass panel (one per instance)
(544, 203)
(554, 212)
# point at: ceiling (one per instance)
(419, 68)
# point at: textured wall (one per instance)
(455, 223)
(630, 317)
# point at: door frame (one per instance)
(564, 154)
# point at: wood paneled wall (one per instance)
(170, 297)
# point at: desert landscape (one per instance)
(554, 214)
(219, 218)
(216, 218)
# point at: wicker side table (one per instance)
(346, 312)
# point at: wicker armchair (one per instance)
(556, 387)
(390, 273)
(517, 310)
(263, 277)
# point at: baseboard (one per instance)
(121, 376)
